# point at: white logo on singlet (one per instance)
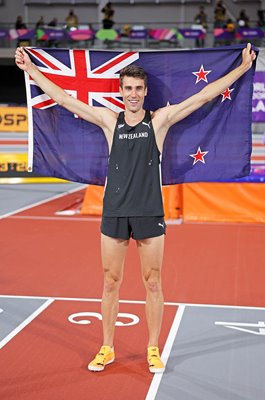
(161, 224)
(120, 126)
(147, 124)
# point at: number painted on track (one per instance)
(73, 318)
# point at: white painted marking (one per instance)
(36, 217)
(239, 326)
(134, 318)
(166, 303)
(1, 310)
(38, 203)
(26, 322)
(166, 352)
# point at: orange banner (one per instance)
(13, 119)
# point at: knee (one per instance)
(152, 281)
(112, 282)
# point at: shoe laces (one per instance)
(100, 357)
(153, 356)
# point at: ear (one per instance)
(145, 91)
(120, 90)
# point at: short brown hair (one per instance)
(133, 71)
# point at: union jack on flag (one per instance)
(212, 144)
(74, 73)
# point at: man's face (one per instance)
(133, 92)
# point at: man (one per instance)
(132, 201)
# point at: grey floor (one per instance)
(14, 198)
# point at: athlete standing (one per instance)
(133, 201)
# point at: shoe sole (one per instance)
(99, 369)
(156, 370)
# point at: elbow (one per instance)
(61, 99)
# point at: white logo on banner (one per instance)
(134, 319)
(259, 96)
(239, 326)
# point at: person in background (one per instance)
(107, 22)
(71, 20)
(53, 22)
(40, 23)
(201, 19)
(19, 24)
(243, 20)
(231, 28)
(219, 15)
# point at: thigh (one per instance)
(113, 252)
(151, 252)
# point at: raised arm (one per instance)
(100, 116)
(165, 117)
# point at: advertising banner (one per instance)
(13, 119)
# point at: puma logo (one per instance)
(161, 224)
(147, 124)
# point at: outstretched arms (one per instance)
(164, 118)
(100, 116)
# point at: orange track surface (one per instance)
(204, 263)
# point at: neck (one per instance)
(133, 118)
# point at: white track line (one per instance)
(166, 352)
(25, 323)
(35, 217)
(38, 203)
(98, 300)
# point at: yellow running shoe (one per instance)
(154, 360)
(105, 356)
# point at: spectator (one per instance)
(201, 19)
(126, 29)
(53, 22)
(219, 15)
(231, 28)
(19, 23)
(40, 23)
(108, 16)
(71, 20)
(52, 42)
(243, 19)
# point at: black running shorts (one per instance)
(136, 227)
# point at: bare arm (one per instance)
(164, 118)
(100, 116)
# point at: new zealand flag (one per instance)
(212, 144)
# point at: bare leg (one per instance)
(151, 255)
(113, 253)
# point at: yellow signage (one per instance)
(14, 169)
(13, 119)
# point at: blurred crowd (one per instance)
(221, 19)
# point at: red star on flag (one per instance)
(226, 94)
(199, 156)
(201, 75)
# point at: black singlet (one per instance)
(133, 186)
